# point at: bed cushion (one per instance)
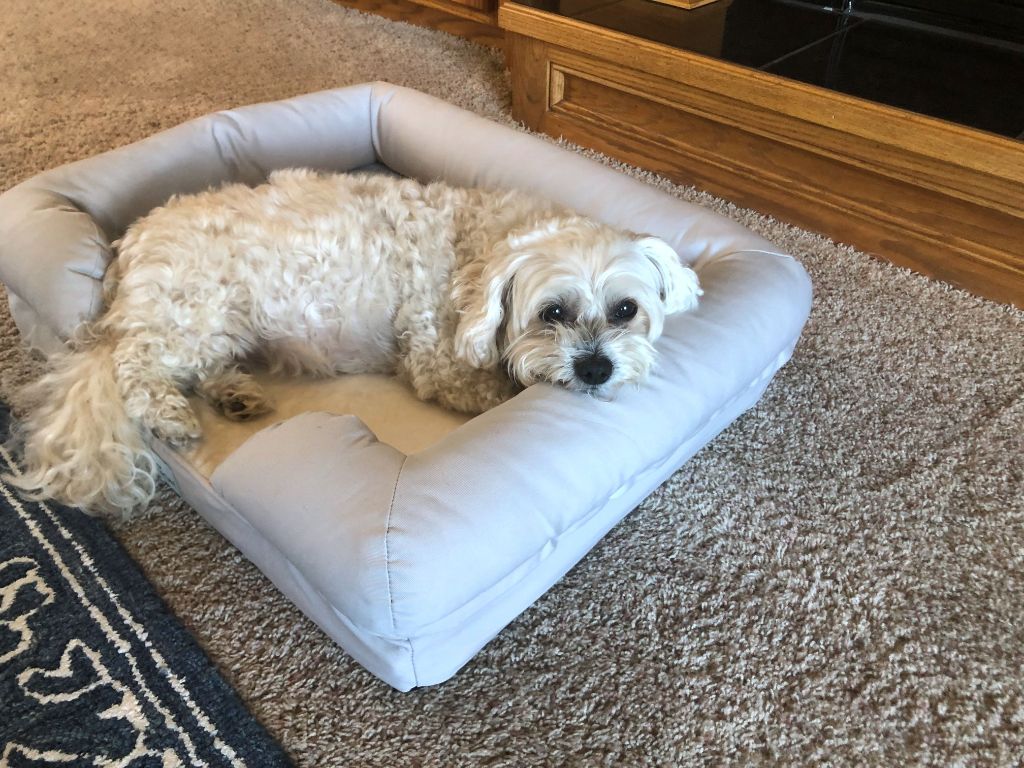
(409, 534)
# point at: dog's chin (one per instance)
(605, 392)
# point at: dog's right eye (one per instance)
(553, 314)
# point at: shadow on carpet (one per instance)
(94, 670)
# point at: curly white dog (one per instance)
(468, 294)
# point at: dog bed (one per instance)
(409, 534)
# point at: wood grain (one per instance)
(688, 4)
(478, 10)
(701, 29)
(466, 21)
(936, 197)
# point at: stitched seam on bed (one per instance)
(387, 548)
(207, 486)
(96, 300)
(372, 123)
(387, 572)
(104, 249)
(373, 108)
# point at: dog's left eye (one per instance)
(624, 310)
(553, 314)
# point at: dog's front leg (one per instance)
(456, 385)
(235, 393)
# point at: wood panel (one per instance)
(687, 4)
(476, 24)
(478, 10)
(787, 98)
(701, 29)
(935, 197)
(486, 6)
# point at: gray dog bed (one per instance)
(409, 534)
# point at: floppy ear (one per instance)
(678, 284)
(480, 293)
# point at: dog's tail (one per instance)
(79, 445)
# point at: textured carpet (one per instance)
(837, 579)
(93, 668)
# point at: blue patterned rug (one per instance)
(94, 670)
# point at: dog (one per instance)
(469, 295)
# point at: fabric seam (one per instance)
(387, 570)
(387, 547)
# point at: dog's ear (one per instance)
(481, 293)
(678, 285)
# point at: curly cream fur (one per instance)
(333, 274)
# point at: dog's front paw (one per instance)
(175, 422)
(235, 394)
(243, 406)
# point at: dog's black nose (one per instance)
(593, 370)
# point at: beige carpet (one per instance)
(838, 579)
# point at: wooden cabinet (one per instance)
(487, 6)
(471, 9)
(475, 20)
(939, 198)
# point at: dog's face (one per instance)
(574, 303)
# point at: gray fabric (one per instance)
(415, 138)
(413, 563)
(58, 225)
(34, 331)
(330, 515)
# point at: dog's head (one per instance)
(571, 302)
